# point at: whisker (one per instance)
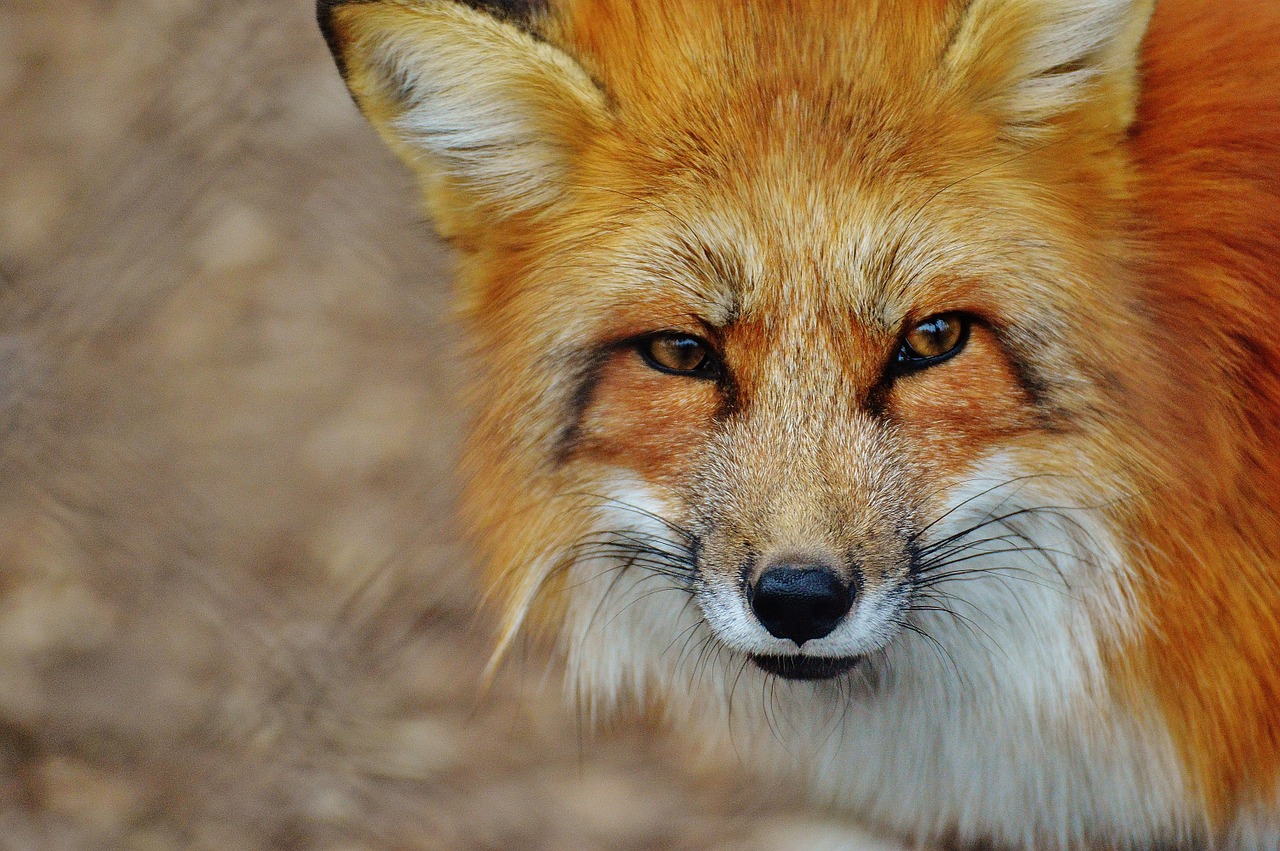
(960, 559)
(989, 519)
(686, 634)
(1000, 574)
(635, 509)
(970, 499)
(647, 594)
(938, 647)
(974, 628)
(710, 649)
(606, 595)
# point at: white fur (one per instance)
(1069, 45)
(627, 631)
(1258, 827)
(484, 103)
(1008, 731)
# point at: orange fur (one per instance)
(1208, 163)
(799, 182)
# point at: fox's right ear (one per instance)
(488, 115)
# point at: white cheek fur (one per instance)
(626, 626)
(999, 724)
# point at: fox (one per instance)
(890, 389)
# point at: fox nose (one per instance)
(800, 603)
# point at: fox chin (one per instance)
(894, 387)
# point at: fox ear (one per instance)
(487, 114)
(1034, 60)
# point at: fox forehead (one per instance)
(781, 257)
(804, 159)
(769, 181)
(840, 89)
(802, 208)
(872, 254)
(698, 50)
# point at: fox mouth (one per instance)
(806, 667)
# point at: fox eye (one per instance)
(680, 354)
(933, 341)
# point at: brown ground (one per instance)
(234, 613)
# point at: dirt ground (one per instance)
(234, 612)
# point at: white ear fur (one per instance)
(485, 113)
(1034, 59)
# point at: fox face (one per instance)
(817, 356)
(800, 420)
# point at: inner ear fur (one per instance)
(488, 115)
(1035, 61)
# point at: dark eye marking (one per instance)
(931, 342)
(679, 354)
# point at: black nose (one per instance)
(800, 603)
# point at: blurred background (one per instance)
(234, 611)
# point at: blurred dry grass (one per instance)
(234, 613)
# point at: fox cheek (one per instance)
(630, 417)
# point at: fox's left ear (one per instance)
(487, 113)
(1035, 60)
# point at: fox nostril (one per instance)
(800, 603)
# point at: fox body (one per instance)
(893, 386)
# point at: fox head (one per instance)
(808, 356)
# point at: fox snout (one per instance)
(802, 617)
(807, 512)
(801, 601)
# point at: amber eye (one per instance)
(681, 354)
(933, 341)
